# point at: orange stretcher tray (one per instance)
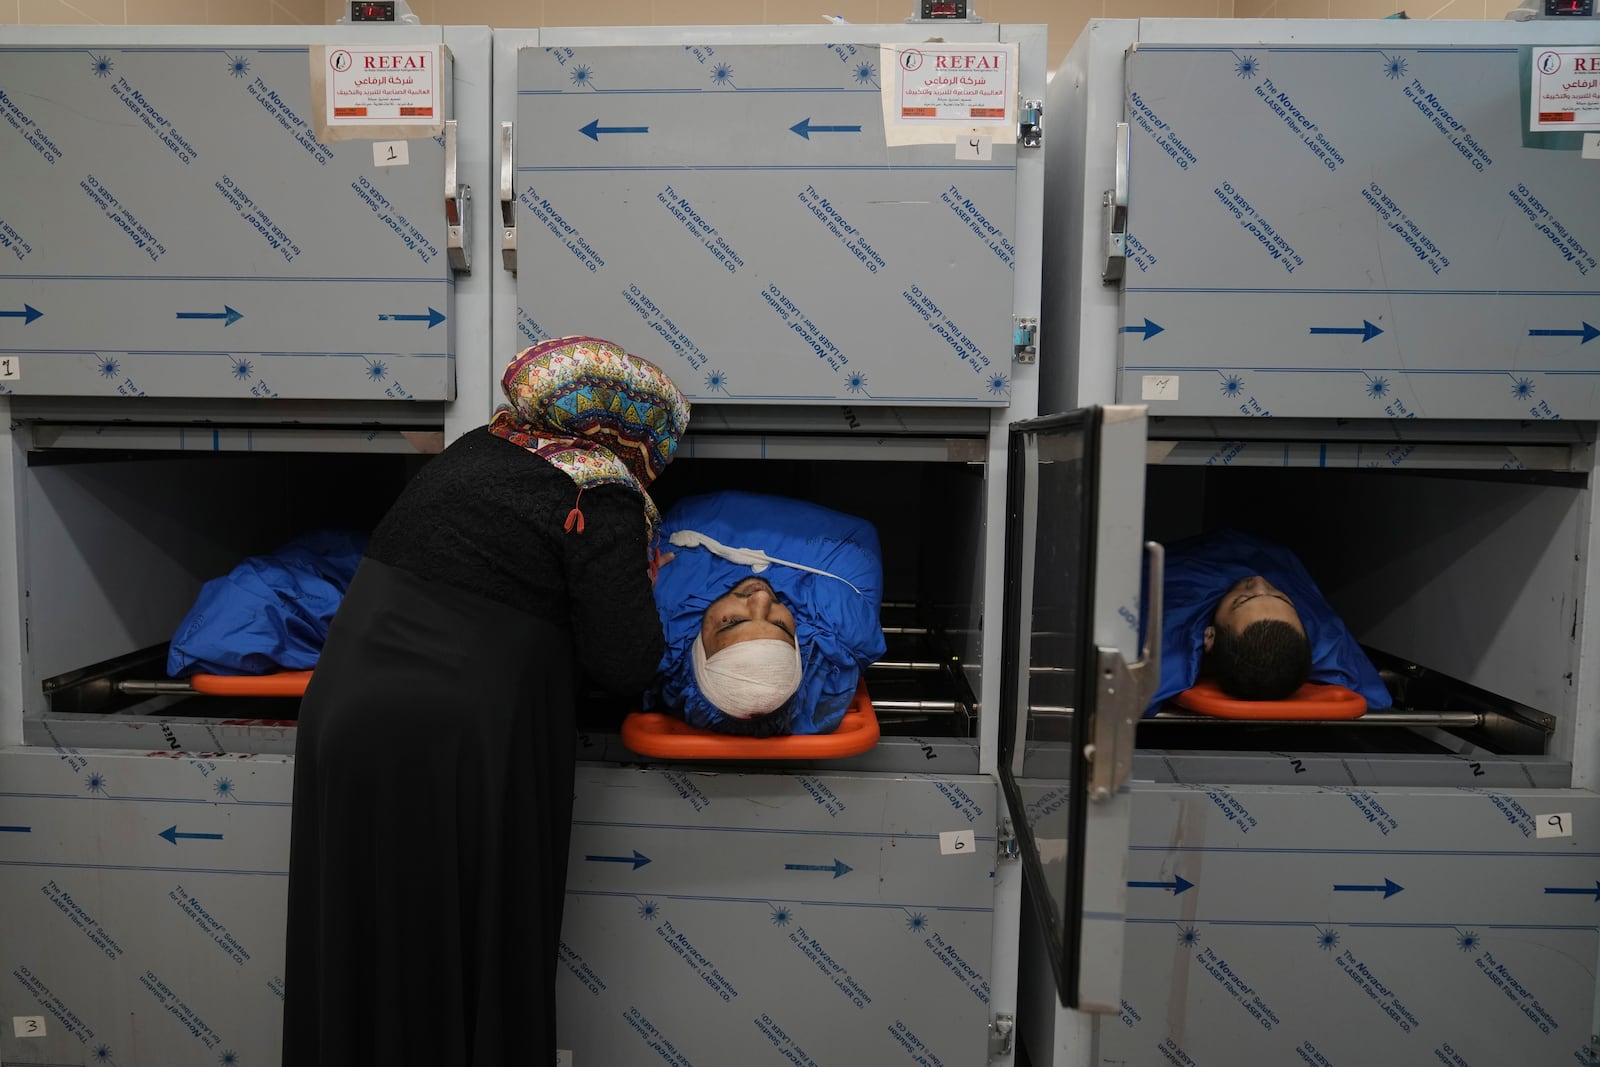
(280, 684)
(1311, 701)
(651, 733)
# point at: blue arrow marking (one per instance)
(1572, 892)
(805, 129)
(1588, 333)
(227, 315)
(1149, 329)
(594, 130)
(171, 834)
(16, 829)
(432, 318)
(27, 314)
(1178, 884)
(636, 859)
(1388, 889)
(1366, 330)
(838, 867)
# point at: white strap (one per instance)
(754, 558)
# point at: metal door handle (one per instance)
(1115, 214)
(508, 196)
(457, 204)
(1125, 691)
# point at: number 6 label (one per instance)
(956, 842)
(27, 1025)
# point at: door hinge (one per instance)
(1025, 339)
(1030, 124)
(1002, 1034)
(1005, 846)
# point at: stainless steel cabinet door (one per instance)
(1074, 687)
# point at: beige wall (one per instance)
(1064, 17)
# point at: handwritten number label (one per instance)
(27, 1026)
(1557, 825)
(10, 368)
(972, 146)
(391, 154)
(957, 842)
(1158, 387)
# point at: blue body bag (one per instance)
(836, 614)
(269, 613)
(1202, 568)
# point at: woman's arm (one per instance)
(615, 631)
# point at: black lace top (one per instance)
(486, 516)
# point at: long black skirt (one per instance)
(432, 814)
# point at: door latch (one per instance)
(1025, 340)
(1030, 124)
(1005, 844)
(1002, 1034)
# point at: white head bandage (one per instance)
(749, 679)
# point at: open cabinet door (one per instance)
(1081, 662)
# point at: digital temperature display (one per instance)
(1581, 9)
(372, 11)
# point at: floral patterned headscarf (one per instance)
(599, 414)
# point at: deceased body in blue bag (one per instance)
(1247, 612)
(770, 610)
(271, 612)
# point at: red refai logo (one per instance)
(416, 62)
(947, 62)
